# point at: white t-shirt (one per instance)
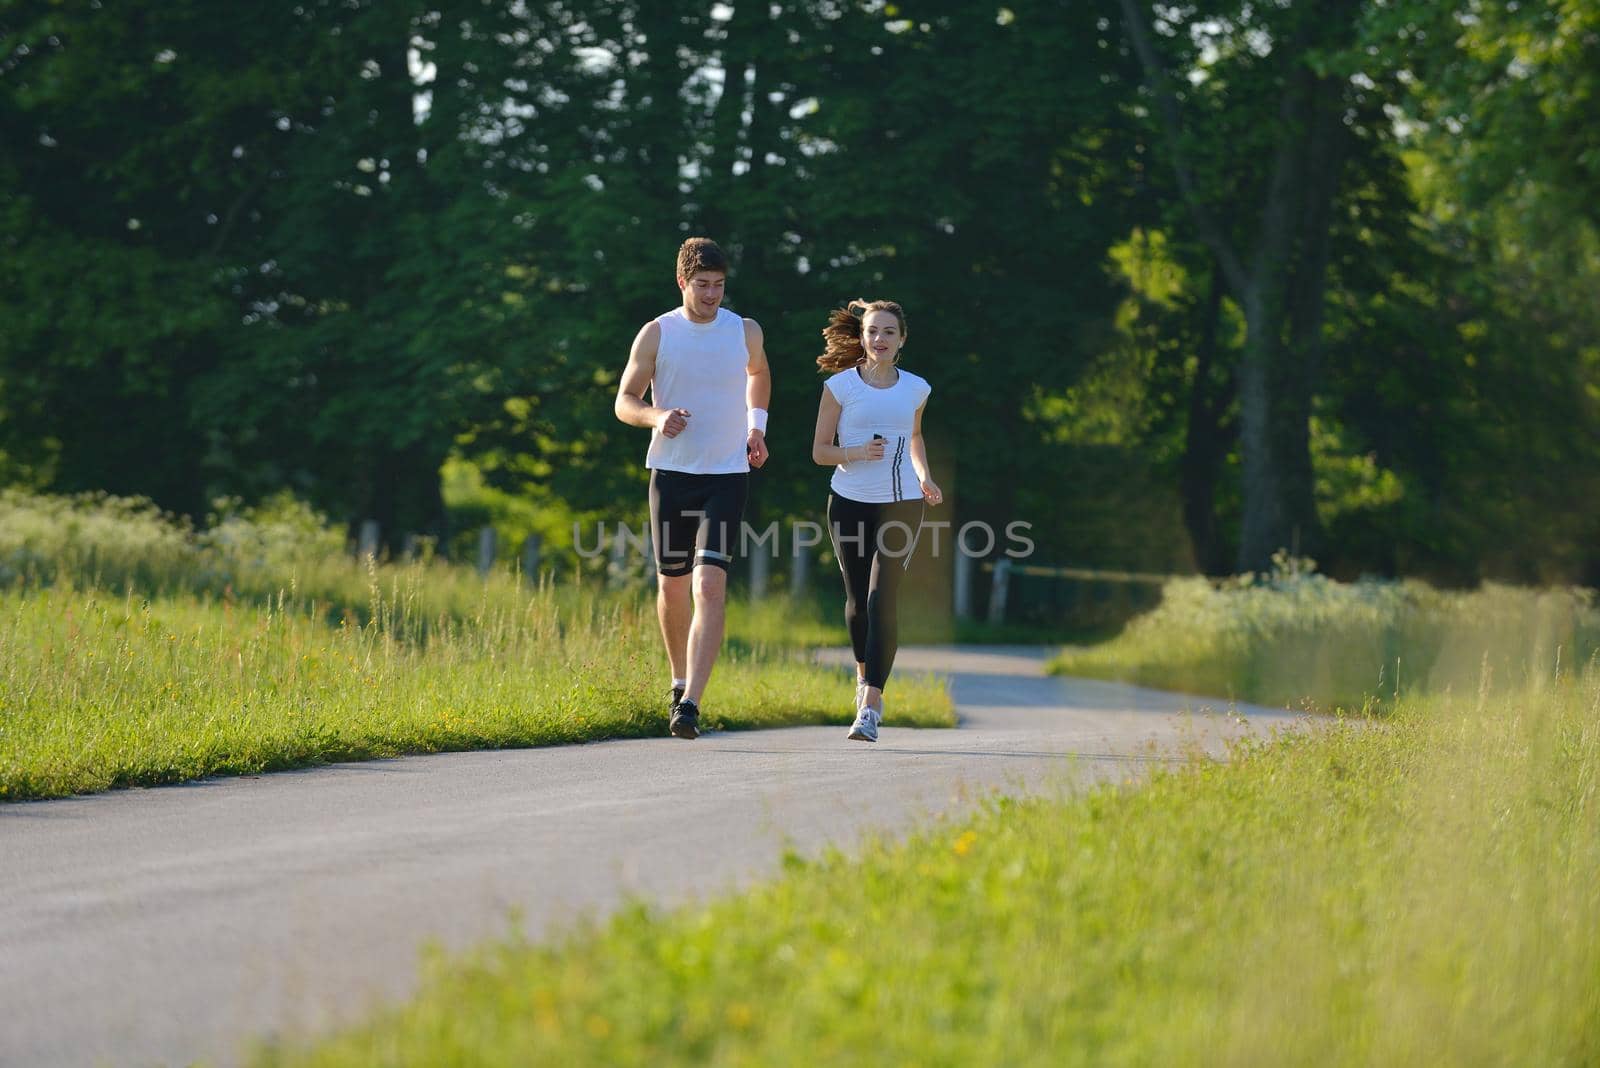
(701, 368)
(891, 412)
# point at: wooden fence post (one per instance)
(760, 567)
(799, 570)
(999, 591)
(486, 549)
(963, 590)
(367, 542)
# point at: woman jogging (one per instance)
(869, 429)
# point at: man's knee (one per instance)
(710, 584)
(674, 587)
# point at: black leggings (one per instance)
(873, 567)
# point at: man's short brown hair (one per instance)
(700, 254)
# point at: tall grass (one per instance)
(117, 541)
(134, 650)
(1301, 637)
(283, 548)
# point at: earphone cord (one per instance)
(906, 566)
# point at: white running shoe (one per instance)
(865, 728)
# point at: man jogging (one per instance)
(706, 369)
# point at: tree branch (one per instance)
(249, 193)
(1157, 81)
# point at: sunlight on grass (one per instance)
(261, 645)
(1422, 892)
(1414, 889)
(99, 691)
(1306, 638)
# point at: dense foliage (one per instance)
(1192, 282)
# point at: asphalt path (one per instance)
(166, 925)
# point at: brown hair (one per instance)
(700, 254)
(842, 336)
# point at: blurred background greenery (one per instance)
(1193, 283)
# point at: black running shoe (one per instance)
(677, 694)
(685, 719)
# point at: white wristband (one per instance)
(756, 419)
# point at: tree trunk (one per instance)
(1283, 350)
(1280, 288)
(1269, 401)
(1206, 438)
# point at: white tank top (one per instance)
(700, 367)
(890, 412)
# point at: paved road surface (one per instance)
(164, 925)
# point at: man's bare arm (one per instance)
(630, 406)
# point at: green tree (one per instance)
(135, 153)
(974, 168)
(1498, 114)
(1277, 268)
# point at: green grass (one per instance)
(777, 622)
(1306, 640)
(99, 691)
(260, 644)
(1419, 890)
(1416, 888)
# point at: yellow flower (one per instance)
(964, 843)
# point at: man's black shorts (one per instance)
(694, 519)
